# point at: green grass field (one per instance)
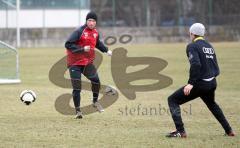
(40, 125)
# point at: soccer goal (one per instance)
(9, 65)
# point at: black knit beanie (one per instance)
(91, 15)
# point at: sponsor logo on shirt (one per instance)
(85, 34)
(95, 35)
(209, 52)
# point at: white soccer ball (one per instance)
(28, 96)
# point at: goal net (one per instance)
(9, 65)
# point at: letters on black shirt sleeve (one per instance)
(195, 65)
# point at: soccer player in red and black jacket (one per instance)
(202, 82)
(80, 56)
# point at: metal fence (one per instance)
(46, 4)
(146, 20)
(145, 12)
(167, 13)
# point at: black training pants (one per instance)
(204, 90)
(90, 72)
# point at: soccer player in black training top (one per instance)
(202, 82)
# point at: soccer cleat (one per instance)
(176, 134)
(98, 106)
(230, 134)
(79, 115)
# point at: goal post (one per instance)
(9, 64)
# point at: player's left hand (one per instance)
(187, 89)
(109, 53)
